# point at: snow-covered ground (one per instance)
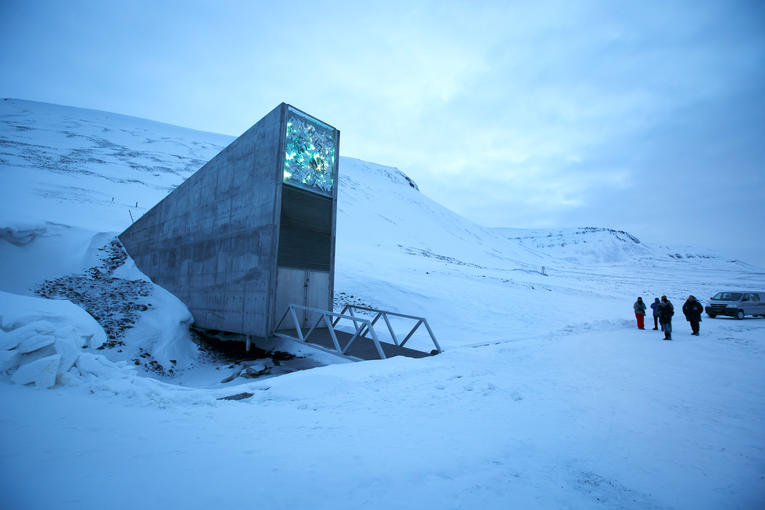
(546, 396)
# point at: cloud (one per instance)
(514, 113)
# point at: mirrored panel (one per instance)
(309, 153)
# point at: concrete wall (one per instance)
(212, 242)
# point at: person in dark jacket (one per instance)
(666, 311)
(639, 308)
(655, 308)
(692, 310)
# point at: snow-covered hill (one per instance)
(546, 396)
(91, 169)
(597, 245)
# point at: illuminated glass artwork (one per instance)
(309, 153)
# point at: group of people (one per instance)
(664, 310)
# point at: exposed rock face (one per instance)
(114, 302)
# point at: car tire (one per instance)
(740, 314)
(712, 315)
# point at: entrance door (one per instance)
(301, 287)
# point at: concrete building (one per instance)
(252, 231)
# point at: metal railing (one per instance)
(361, 326)
(324, 316)
(384, 314)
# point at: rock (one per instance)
(233, 376)
(238, 396)
(41, 372)
(257, 369)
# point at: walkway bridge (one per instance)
(363, 343)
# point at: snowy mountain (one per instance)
(597, 245)
(546, 395)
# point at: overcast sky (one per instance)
(642, 116)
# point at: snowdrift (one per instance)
(42, 340)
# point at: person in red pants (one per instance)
(639, 308)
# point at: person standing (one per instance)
(666, 311)
(692, 310)
(655, 309)
(639, 308)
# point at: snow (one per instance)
(163, 330)
(614, 418)
(546, 396)
(23, 317)
(42, 339)
(40, 372)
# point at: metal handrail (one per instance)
(384, 314)
(366, 325)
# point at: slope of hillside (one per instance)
(91, 169)
(546, 395)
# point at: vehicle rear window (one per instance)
(727, 296)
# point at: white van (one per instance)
(736, 304)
